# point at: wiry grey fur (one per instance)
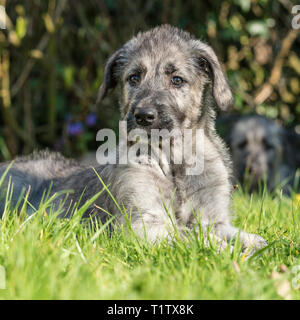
(261, 149)
(156, 56)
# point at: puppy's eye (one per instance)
(134, 79)
(268, 145)
(242, 145)
(177, 81)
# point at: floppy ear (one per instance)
(111, 74)
(208, 62)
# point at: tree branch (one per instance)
(40, 47)
(267, 88)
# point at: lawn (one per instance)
(49, 258)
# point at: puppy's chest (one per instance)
(194, 190)
(191, 192)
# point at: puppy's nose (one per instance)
(145, 116)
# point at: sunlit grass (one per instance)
(50, 258)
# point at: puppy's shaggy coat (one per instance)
(261, 149)
(179, 79)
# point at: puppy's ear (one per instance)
(208, 62)
(111, 74)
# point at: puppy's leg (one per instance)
(216, 213)
(146, 194)
(152, 230)
(248, 240)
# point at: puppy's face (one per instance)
(163, 75)
(257, 150)
(162, 86)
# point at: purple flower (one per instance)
(74, 129)
(91, 119)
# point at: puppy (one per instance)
(169, 81)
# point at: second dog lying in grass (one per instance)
(262, 150)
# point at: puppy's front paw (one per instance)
(254, 242)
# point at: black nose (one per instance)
(145, 116)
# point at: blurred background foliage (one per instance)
(53, 53)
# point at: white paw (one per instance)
(221, 244)
(254, 242)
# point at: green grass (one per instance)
(49, 258)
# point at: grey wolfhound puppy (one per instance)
(168, 80)
(263, 150)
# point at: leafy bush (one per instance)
(53, 54)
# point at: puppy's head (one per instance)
(257, 150)
(164, 74)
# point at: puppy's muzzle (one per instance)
(145, 116)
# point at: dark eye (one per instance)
(177, 81)
(134, 79)
(242, 145)
(268, 145)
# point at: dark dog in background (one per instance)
(263, 151)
